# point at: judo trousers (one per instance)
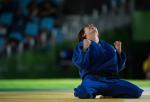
(106, 86)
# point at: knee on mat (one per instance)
(135, 94)
(82, 93)
(138, 94)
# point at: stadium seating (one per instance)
(16, 36)
(32, 29)
(47, 23)
(6, 18)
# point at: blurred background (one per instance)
(37, 37)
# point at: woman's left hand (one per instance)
(117, 45)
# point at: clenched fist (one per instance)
(86, 44)
(117, 45)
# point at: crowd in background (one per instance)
(28, 24)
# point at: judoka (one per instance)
(99, 64)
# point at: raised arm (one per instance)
(81, 55)
(120, 54)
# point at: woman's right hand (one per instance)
(86, 44)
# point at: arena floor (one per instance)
(54, 90)
(45, 96)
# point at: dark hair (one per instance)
(80, 35)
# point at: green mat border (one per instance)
(51, 84)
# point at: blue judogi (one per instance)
(98, 59)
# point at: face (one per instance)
(91, 33)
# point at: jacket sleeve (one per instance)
(121, 61)
(81, 59)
